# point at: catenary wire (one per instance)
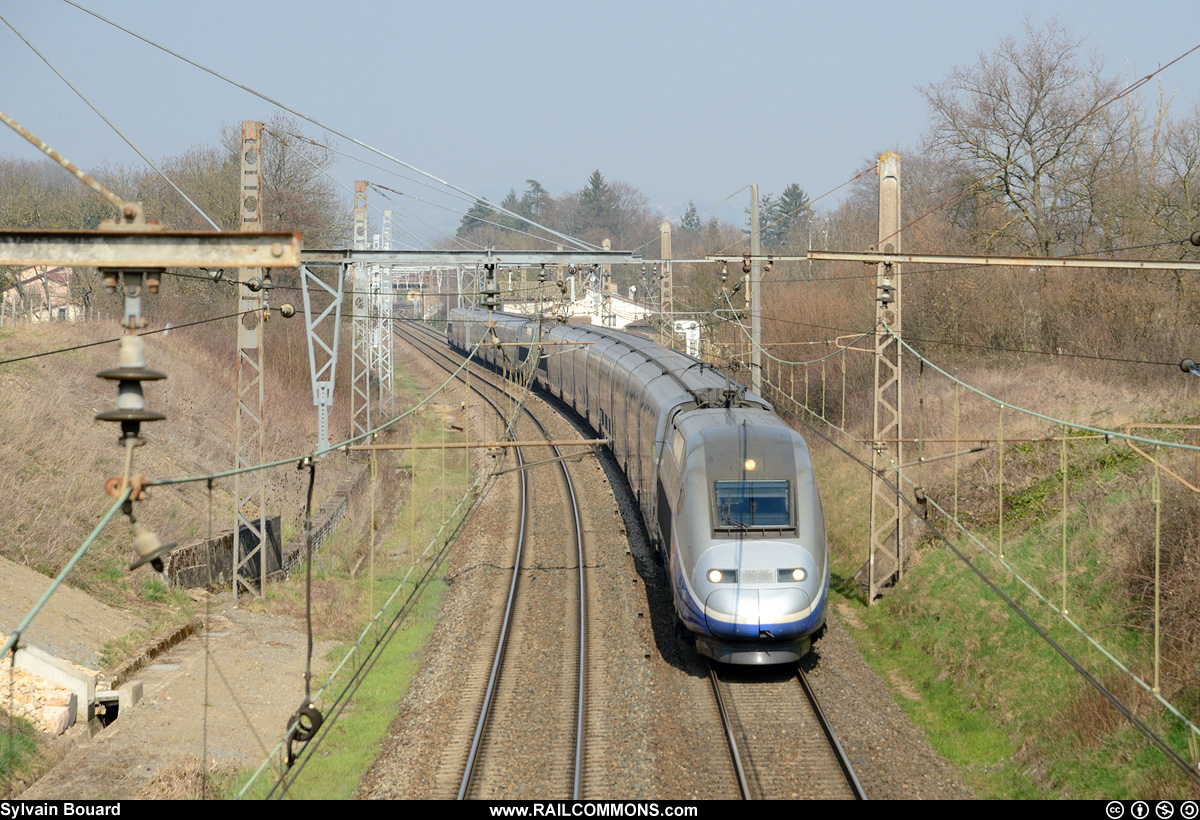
(418, 182)
(335, 180)
(578, 242)
(411, 215)
(110, 124)
(110, 341)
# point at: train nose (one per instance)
(755, 613)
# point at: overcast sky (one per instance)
(685, 100)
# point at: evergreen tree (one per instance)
(475, 216)
(691, 218)
(534, 201)
(597, 205)
(777, 216)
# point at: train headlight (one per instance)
(750, 465)
(798, 574)
(714, 575)
(721, 576)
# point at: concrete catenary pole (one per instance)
(755, 295)
(887, 519)
(250, 515)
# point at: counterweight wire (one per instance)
(110, 124)
(580, 244)
(1118, 704)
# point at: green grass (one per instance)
(21, 752)
(352, 743)
(355, 740)
(154, 590)
(995, 698)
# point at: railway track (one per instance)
(527, 727)
(528, 735)
(780, 743)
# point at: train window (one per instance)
(753, 504)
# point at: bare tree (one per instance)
(1177, 209)
(299, 193)
(1017, 123)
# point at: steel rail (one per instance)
(499, 659)
(494, 676)
(842, 758)
(582, 624)
(727, 724)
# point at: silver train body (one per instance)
(725, 488)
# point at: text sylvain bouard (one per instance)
(55, 808)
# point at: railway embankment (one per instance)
(989, 692)
(107, 624)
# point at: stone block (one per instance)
(57, 719)
(131, 693)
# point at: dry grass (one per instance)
(57, 456)
(184, 779)
(1178, 560)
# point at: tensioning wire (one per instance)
(16, 634)
(318, 453)
(499, 209)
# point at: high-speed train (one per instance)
(725, 487)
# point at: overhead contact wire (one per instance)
(110, 124)
(578, 242)
(318, 453)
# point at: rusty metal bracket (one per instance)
(1130, 427)
(130, 246)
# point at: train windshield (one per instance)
(753, 504)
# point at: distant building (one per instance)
(43, 295)
(608, 309)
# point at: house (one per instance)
(41, 294)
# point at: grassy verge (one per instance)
(18, 753)
(416, 492)
(993, 696)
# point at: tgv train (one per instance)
(725, 487)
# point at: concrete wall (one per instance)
(324, 520)
(187, 567)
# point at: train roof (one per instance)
(704, 383)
